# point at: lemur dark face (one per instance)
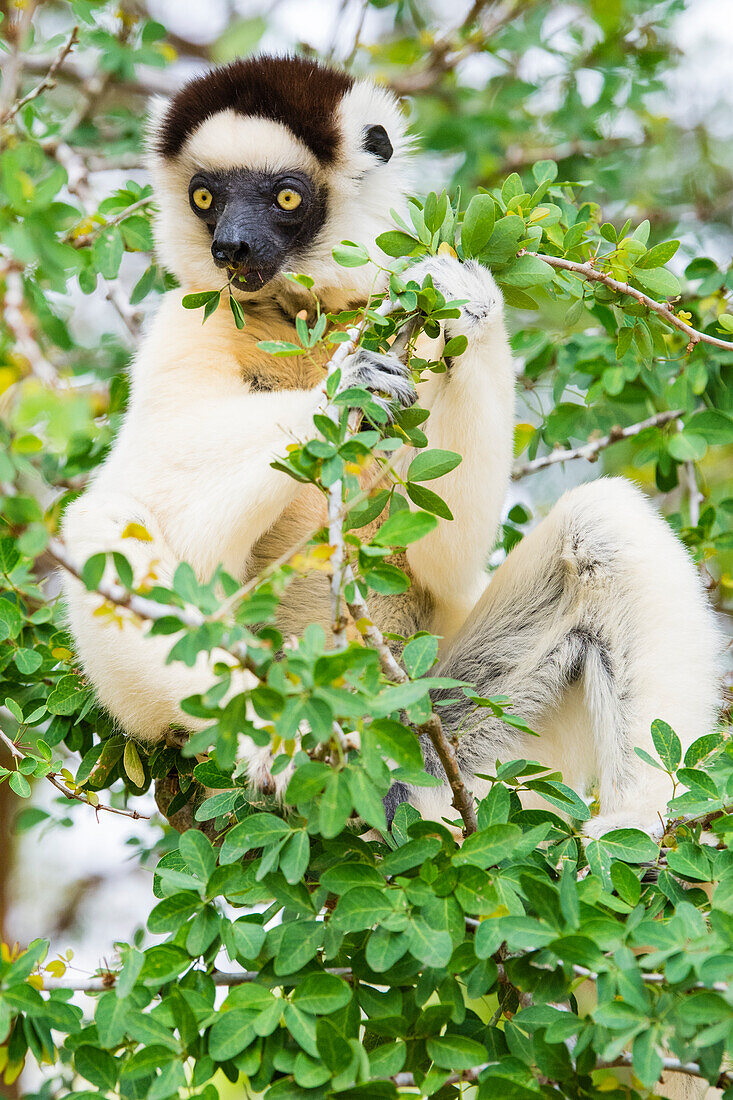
(257, 219)
(263, 166)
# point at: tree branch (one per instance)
(590, 451)
(108, 979)
(75, 796)
(48, 80)
(664, 310)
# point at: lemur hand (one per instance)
(458, 281)
(384, 375)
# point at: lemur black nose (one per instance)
(230, 253)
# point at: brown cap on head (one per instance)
(294, 91)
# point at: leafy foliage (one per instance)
(286, 950)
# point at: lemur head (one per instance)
(264, 165)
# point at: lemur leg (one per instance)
(594, 626)
(128, 669)
(472, 413)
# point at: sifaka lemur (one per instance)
(595, 624)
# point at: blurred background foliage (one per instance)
(630, 99)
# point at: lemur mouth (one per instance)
(248, 278)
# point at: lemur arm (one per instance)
(472, 413)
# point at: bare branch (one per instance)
(590, 451)
(450, 49)
(663, 309)
(16, 322)
(107, 979)
(433, 728)
(48, 80)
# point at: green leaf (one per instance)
(489, 846)
(478, 225)
(294, 857)
(231, 1033)
(456, 1052)
(526, 271)
(248, 937)
(97, 1066)
(658, 281)
(398, 742)
(431, 947)
(202, 298)
(504, 242)
(133, 764)
(690, 861)
(395, 243)
(19, 785)
(659, 255)
(137, 234)
(107, 252)
(631, 845)
(348, 254)
(367, 801)
(335, 806)
(428, 465)
(648, 1064)
(170, 913)
(362, 908)
(198, 853)
(332, 1046)
(67, 696)
(428, 500)
(237, 311)
(299, 944)
(667, 744)
(256, 832)
(405, 527)
(385, 948)
(686, 446)
(27, 661)
(714, 425)
(321, 994)
(420, 654)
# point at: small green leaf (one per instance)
(667, 744)
(405, 527)
(133, 764)
(478, 225)
(428, 465)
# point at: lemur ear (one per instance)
(376, 140)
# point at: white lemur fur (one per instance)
(596, 623)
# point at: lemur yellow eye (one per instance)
(202, 198)
(288, 199)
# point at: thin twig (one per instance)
(14, 62)
(85, 238)
(447, 51)
(75, 796)
(108, 979)
(48, 80)
(590, 451)
(336, 489)
(14, 318)
(663, 309)
(433, 728)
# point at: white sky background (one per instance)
(53, 862)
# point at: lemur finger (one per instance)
(385, 376)
(469, 282)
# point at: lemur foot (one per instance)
(384, 375)
(458, 281)
(606, 823)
